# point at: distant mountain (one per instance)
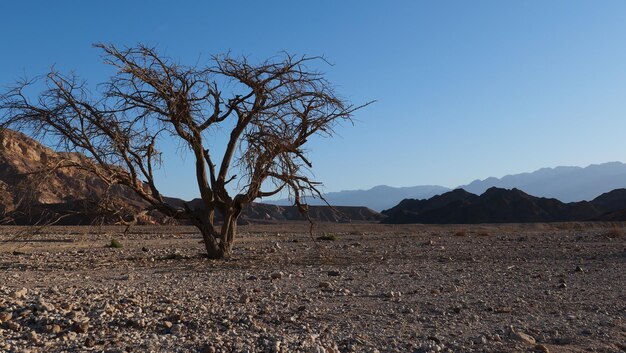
(377, 198)
(567, 184)
(498, 205)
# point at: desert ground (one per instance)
(343, 288)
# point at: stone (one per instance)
(20, 294)
(522, 337)
(480, 339)
(82, 327)
(53, 329)
(244, 299)
(33, 337)
(578, 269)
(333, 273)
(167, 324)
(541, 348)
(276, 275)
(324, 285)
(5, 316)
(90, 342)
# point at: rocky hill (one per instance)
(71, 196)
(498, 205)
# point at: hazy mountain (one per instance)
(498, 205)
(377, 198)
(566, 184)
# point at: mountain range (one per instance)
(497, 205)
(567, 184)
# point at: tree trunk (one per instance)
(211, 242)
(219, 245)
(229, 228)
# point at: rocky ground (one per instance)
(366, 288)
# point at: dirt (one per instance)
(374, 288)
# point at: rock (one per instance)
(42, 305)
(252, 278)
(333, 273)
(522, 337)
(276, 275)
(178, 328)
(167, 324)
(480, 339)
(317, 349)
(90, 342)
(20, 294)
(5, 316)
(81, 327)
(13, 326)
(244, 299)
(324, 285)
(33, 337)
(53, 329)
(578, 269)
(541, 348)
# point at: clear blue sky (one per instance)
(464, 89)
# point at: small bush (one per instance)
(459, 233)
(615, 233)
(115, 244)
(328, 237)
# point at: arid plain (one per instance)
(345, 288)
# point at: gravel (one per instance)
(374, 289)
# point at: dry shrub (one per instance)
(460, 233)
(615, 233)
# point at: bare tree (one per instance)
(271, 109)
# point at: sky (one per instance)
(464, 90)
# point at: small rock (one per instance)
(53, 329)
(333, 273)
(13, 326)
(178, 328)
(20, 294)
(541, 348)
(82, 327)
(90, 342)
(578, 269)
(244, 299)
(324, 285)
(33, 337)
(167, 324)
(276, 275)
(5, 316)
(480, 340)
(317, 349)
(522, 337)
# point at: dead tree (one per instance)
(271, 110)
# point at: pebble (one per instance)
(5, 316)
(20, 294)
(276, 275)
(522, 337)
